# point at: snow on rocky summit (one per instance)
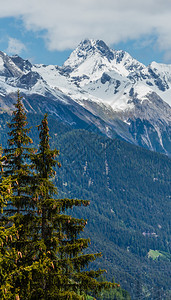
(97, 85)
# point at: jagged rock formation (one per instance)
(97, 87)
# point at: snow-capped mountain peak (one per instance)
(93, 57)
(88, 48)
(96, 85)
(7, 67)
(24, 65)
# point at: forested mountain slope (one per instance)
(129, 213)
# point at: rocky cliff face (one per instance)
(97, 87)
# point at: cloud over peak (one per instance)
(64, 23)
(15, 46)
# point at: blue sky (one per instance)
(15, 39)
(47, 31)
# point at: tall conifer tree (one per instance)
(41, 252)
(67, 278)
(17, 157)
(19, 248)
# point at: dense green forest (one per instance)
(42, 254)
(129, 213)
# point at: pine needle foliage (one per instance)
(42, 255)
(8, 234)
(60, 232)
(17, 155)
(18, 240)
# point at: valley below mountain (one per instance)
(110, 117)
(128, 219)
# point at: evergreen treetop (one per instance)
(17, 157)
(60, 232)
(42, 255)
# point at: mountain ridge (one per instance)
(128, 186)
(100, 86)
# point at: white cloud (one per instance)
(15, 46)
(67, 22)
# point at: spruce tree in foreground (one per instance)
(20, 249)
(17, 156)
(18, 237)
(41, 253)
(8, 236)
(67, 278)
